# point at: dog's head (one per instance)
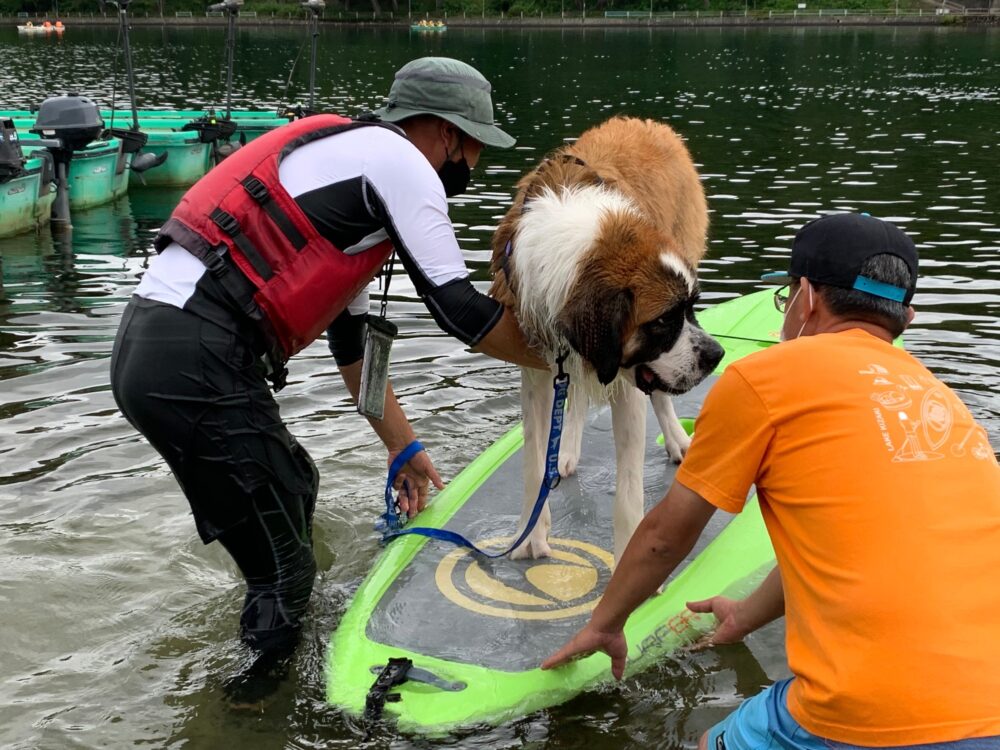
(632, 308)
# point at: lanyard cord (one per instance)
(387, 270)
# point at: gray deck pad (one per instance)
(514, 612)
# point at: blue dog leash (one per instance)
(392, 525)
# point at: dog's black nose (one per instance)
(710, 354)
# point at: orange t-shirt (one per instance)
(882, 499)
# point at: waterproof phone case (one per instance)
(379, 334)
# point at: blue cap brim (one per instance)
(776, 277)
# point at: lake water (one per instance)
(117, 625)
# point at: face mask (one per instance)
(455, 175)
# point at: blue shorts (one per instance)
(764, 723)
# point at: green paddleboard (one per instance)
(477, 629)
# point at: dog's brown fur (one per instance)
(649, 163)
(625, 312)
(645, 160)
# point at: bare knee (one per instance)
(703, 742)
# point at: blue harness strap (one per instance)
(393, 526)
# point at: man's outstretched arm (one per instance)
(663, 539)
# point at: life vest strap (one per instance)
(228, 224)
(259, 192)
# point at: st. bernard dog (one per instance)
(598, 257)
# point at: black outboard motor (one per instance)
(66, 123)
(75, 120)
(133, 139)
(219, 130)
(11, 156)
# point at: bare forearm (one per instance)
(662, 541)
(505, 341)
(394, 428)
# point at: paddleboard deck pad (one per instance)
(476, 629)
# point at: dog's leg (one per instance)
(572, 434)
(675, 439)
(628, 421)
(536, 412)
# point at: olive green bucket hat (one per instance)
(449, 89)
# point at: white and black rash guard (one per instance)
(357, 188)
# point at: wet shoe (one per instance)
(261, 679)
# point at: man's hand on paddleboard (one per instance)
(739, 617)
(587, 641)
(730, 627)
(413, 482)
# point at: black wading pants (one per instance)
(196, 390)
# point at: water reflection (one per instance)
(124, 622)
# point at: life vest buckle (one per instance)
(226, 222)
(256, 189)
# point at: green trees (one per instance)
(442, 8)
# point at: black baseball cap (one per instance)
(831, 250)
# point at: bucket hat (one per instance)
(449, 89)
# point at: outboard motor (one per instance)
(11, 156)
(219, 130)
(66, 123)
(75, 120)
(133, 139)
(211, 128)
(315, 8)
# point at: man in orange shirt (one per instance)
(881, 496)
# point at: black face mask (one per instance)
(455, 175)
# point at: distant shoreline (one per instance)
(703, 19)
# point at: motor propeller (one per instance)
(147, 160)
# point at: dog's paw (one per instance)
(568, 464)
(677, 446)
(532, 549)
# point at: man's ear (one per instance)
(451, 136)
(808, 296)
(910, 314)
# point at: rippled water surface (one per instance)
(117, 625)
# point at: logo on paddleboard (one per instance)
(568, 583)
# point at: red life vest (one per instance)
(301, 282)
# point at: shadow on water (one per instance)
(123, 626)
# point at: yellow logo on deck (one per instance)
(566, 584)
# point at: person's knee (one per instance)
(703, 742)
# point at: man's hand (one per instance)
(413, 482)
(586, 642)
(738, 618)
(731, 627)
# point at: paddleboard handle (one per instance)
(392, 674)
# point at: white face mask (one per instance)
(789, 307)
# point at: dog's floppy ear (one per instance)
(594, 323)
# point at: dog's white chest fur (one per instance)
(553, 237)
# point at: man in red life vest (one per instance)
(268, 250)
